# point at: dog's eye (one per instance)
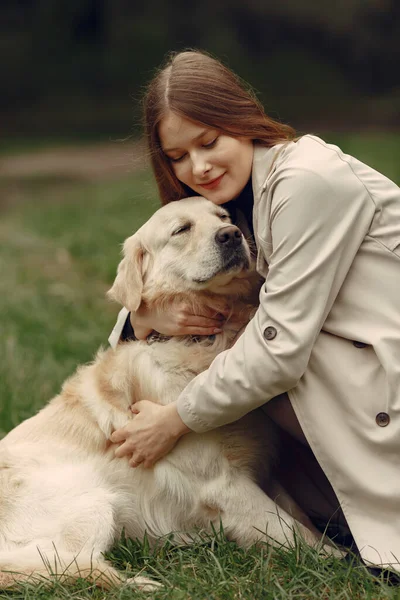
(224, 217)
(181, 229)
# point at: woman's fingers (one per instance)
(193, 325)
(202, 322)
(123, 450)
(135, 461)
(208, 321)
(202, 331)
(118, 436)
(151, 434)
(127, 449)
(179, 319)
(208, 312)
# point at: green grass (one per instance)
(59, 249)
(60, 243)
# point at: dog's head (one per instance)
(185, 246)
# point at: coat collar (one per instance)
(263, 162)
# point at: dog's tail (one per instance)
(33, 565)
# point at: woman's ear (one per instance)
(128, 285)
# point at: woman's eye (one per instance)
(181, 229)
(211, 144)
(176, 160)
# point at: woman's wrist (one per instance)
(177, 426)
(139, 325)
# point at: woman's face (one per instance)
(212, 164)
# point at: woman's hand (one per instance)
(178, 320)
(152, 433)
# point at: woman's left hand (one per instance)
(152, 433)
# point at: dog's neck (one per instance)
(239, 292)
(240, 306)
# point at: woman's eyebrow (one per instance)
(194, 140)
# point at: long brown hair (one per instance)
(200, 88)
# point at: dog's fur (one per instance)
(65, 498)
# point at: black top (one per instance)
(244, 202)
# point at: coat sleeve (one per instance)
(317, 226)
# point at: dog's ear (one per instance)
(128, 285)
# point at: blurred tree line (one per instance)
(80, 65)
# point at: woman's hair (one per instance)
(200, 88)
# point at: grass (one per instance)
(59, 246)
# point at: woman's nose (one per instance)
(200, 165)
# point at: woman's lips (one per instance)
(212, 184)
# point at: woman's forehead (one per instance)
(176, 131)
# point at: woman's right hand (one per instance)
(177, 319)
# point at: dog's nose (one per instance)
(229, 236)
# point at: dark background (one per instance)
(78, 67)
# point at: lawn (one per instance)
(60, 241)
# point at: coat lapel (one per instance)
(264, 161)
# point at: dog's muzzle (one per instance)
(231, 250)
(229, 237)
(229, 241)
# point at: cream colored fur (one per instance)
(65, 498)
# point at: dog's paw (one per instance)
(143, 583)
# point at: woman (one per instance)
(327, 332)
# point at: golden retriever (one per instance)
(65, 498)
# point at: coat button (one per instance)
(359, 344)
(382, 419)
(270, 333)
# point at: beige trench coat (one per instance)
(327, 229)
